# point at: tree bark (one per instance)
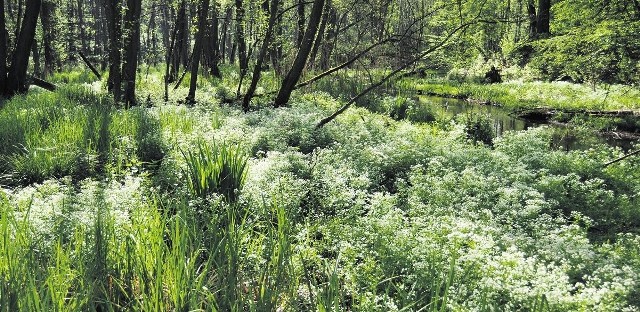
(533, 20)
(225, 35)
(263, 53)
(84, 48)
(114, 30)
(319, 36)
(17, 76)
(43, 84)
(35, 56)
(203, 12)
(327, 46)
(131, 50)
(240, 37)
(3, 51)
(542, 26)
(48, 35)
(300, 61)
(212, 44)
(300, 36)
(179, 45)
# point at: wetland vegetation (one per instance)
(201, 184)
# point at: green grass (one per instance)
(216, 168)
(525, 95)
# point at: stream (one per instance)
(566, 138)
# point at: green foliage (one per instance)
(216, 168)
(605, 53)
(520, 95)
(479, 128)
(400, 108)
(366, 214)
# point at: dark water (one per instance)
(564, 137)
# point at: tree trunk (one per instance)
(542, 26)
(327, 47)
(3, 51)
(48, 35)
(240, 37)
(114, 30)
(84, 48)
(35, 56)
(276, 47)
(225, 34)
(164, 24)
(203, 12)
(299, 63)
(533, 20)
(179, 45)
(301, 22)
(212, 40)
(263, 53)
(320, 35)
(131, 49)
(17, 77)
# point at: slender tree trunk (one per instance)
(84, 48)
(132, 48)
(263, 53)
(276, 46)
(242, 44)
(213, 44)
(168, 61)
(48, 35)
(179, 45)
(301, 23)
(533, 20)
(240, 37)
(17, 77)
(542, 26)
(225, 34)
(114, 30)
(71, 33)
(164, 23)
(203, 12)
(319, 36)
(3, 51)
(300, 61)
(151, 36)
(327, 47)
(35, 56)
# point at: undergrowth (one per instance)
(171, 207)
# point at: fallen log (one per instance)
(43, 84)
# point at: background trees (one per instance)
(576, 40)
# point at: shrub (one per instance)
(479, 128)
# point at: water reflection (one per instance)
(564, 138)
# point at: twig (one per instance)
(621, 158)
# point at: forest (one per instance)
(319, 155)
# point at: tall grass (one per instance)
(216, 168)
(74, 132)
(155, 261)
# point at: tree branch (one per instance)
(392, 74)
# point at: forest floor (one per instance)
(171, 207)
